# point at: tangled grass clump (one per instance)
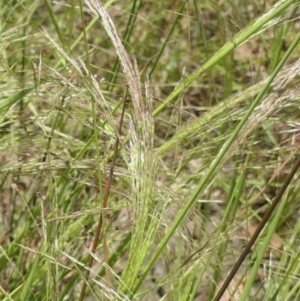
(142, 147)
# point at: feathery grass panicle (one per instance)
(203, 153)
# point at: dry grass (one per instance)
(209, 136)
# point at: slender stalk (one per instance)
(105, 204)
(260, 227)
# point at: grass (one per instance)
(143, 145)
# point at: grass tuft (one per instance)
(147, 149)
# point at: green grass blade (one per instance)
(29, 280)
(240, 38)
(157, 58)
(55, 23)
(216, 163)
(7, 103)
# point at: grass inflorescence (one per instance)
(149, 150)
